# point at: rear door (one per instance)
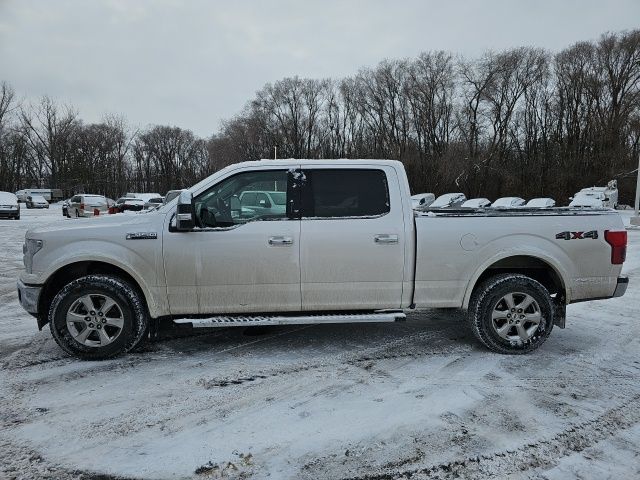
(351, 238)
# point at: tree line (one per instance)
(523, 121)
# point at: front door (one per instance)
(239, 258)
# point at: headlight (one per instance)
(30, 248)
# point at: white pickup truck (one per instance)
(347, 247)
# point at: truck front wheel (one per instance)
(98, 317)
(511, 313)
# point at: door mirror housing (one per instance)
(185, 212)
(264, 203)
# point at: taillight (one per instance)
(82, 206)
(618, 241)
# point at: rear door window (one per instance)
(340, 193)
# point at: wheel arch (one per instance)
(71, 271)
(543, 270)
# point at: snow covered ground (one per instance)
(419, 399)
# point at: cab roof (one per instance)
(310, 161)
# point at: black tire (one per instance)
(134, 314)
(487, 296)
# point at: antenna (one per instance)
(635, 220)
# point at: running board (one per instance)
(244, 321)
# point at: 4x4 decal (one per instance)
(593, 234)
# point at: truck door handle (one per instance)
(385, 238)
(280, 240)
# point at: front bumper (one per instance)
(28, 295)
(621, 287)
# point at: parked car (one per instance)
(153, 203)
(85, 205)
(143, 196)
(608, 194)
(508, 202)
(124, 204)
(541, 203)
(476, 203)
(261, 203)
(348, 248)
(36, 201)
(422, 200)
(9, 206)
(449, 200)
(588, 200)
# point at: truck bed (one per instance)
(450, 254)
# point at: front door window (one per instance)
(242, 198)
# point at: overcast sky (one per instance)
(194, 63)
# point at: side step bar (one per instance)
(245, 321)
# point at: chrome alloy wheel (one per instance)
(95, 320)
(516, 317)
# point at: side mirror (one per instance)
(185, 214)
(264, 203)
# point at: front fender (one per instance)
(140, 263)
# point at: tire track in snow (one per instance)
(542, 453)
(331, 360)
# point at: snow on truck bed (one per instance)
(419, 398)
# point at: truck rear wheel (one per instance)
(98, 317)
(511, 313)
